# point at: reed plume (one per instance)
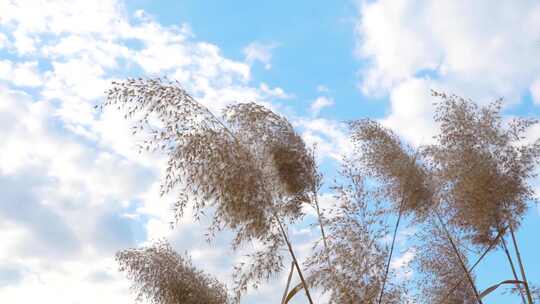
(354, 234)
(402, 176)
(162, 276)
(483, 166)
(249, 167)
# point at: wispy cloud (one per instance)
(413, 47)
(320, 103)
(262, 52)
(76, 189)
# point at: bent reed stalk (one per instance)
(295, 261)
(511, 263)
(473, 286)
(521, 267)
(493, 243)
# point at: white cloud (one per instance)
(328, 136)
(103, 17)
(262, 52)
(411, 111)
(20, 74)
(84, 47)
(320, 103)
(478, 56)
(3, 41)
(53, 285)
(24, 44)
(78, 189)
(535, 91)
(413, 47)
(62, 208)
(79, 78)
(401, 264)
(276, 92)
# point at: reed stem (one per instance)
(522, 269)
(493, 243)
(391, 251)
(323, 234)
(295, 261)
(288, 284)
(509, 257)
(476, 294)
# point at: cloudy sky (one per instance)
(74, 190)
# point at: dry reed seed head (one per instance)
(440, 268)
(162, 276)
(354, 230)
(289, 166)
(482, 165)
(213, 165)
(401, 172)
(207, 165)
(260, 266)
(293, 166)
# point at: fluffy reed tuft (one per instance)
(401, 174)
(207, 165)
(250, 167)
(285, 161)
(482, 165)
(162, 276)
(289, 172)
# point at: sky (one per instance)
(74, 190)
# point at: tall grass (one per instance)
(466, 191)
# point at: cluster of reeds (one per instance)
(403, 178)
(483, 166)
(249, 167)
(473, 181)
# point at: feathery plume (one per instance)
(162, 276)
(354, 234)
(250, 168)
(482, 165)
(403, 178)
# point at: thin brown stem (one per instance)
(288, 284)
(391, 251)
(522, 269)
(493, 243)
(323, 234)
(295, 261)
(315, 186)
(473, 286)
(319, 215)
(509, 257)
(289, 246)
(400, 213)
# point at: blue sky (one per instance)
(74, 189)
